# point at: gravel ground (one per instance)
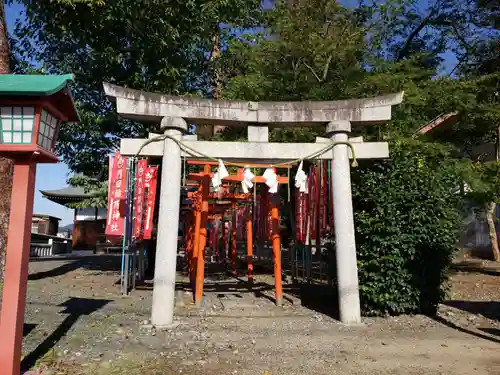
(76, 323)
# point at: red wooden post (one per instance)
(189, 242)
(224, 239)
(16, 267)
(215, 241)
(200, 264)
(275, 236)
(250, 249)
(196, 247)
(233, 240)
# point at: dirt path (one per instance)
(78, 324)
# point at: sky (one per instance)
(54, 176)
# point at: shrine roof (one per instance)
(44, 216)
(441, 122)
(71, 194)
(65, 195)
(53, 87)
(33, 84)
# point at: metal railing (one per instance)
(50, 248)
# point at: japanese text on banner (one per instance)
(116, 196)
(140, 199)
(150, 181)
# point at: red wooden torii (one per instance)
(201, 214)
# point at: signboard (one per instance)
(150, 181)
(140, 199)
(116, 196)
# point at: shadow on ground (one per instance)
(476, 267)
(491, 331)
(484, 253)
(488, 309)
(27, 328)
(75, 308)
(99, 263)
(467, 330)
(321, 298)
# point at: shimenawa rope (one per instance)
(191, 151)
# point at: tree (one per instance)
(11, 62)
(486, 61)
(4, 43)
(96, 189)
(164, 47)
(483, 181)
(406, 209)
(468, 29)
(483, 66)
(5, 164)
(285, 64)
(407, 214)
(479, 37)
(402, 28)
(308, 50)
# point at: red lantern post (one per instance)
(31, 110)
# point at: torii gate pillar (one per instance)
(345, 245)
(168, 224)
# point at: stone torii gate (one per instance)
(175, 113)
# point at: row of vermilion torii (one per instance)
(226, 219)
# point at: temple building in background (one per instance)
(89, 223)
(45, 224)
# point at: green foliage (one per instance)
(407, 211)
(483, 182)
(407, 217)
(304, 50)
(90, 3)
(407, 208)
(311, 52)
(155, 45)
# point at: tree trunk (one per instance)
(491, 218)
(5, 164)
(4, 43)
(491, 211)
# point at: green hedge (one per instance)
(407, 219)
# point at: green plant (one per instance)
(407, 218)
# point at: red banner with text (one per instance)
(140, 199)
(150, 181)
(116, 196)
